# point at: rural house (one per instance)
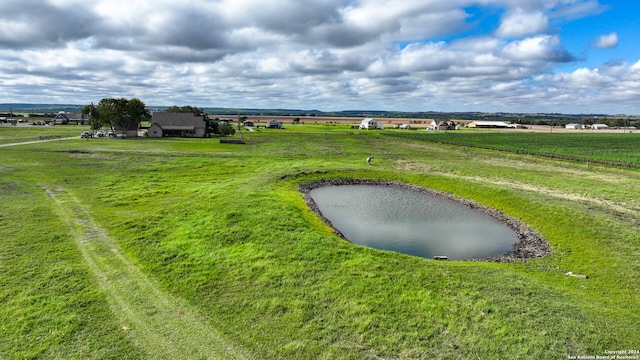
(274, 124)
(71, 118)
(447, 125)
(130, 131)
(369, 124)
(573, 126)
(177, 125)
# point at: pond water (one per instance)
(412, 222)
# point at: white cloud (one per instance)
(520, 23)
(339, 54)
(537, 48)
(607, 41)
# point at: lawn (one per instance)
(22, 133)
(221, 232)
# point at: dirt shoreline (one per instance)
(530, 244)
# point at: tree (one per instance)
(185, 109)
(120, 113)
(587, 121)
(136, 112)
(94, 116)
(218, 128)
(226, 129)
(214, 126)
(620, 122)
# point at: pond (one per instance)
(412, 222)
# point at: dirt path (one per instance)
(163, 326)
(38, 141)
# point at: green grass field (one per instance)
(187, 248)
(595, 147)
(10, 134)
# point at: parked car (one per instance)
(121, 136)
(86, 134)
(101, 133)
(111, 133)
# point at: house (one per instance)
(573, 126)
(447, 125)
(69, 118)
(274, 124)
(130, 131)
(369, 124)
(491, 125)
(165, 124)
(247, 123)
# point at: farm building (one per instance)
(443, 125)
(369, 124)
(70, 118)
(447, 125)
(274, 124)
(130, 131)
(573, 126)
(177, 125)
(491, 125)
(599, 126)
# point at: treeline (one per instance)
(44, 110)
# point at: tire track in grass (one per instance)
(162, 325)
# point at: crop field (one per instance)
(595, 147)
(191, 249)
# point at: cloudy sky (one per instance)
(568, 56)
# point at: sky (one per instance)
(530, 56)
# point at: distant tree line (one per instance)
(185, 109)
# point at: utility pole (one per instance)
(240, 129)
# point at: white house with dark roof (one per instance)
(177, 125)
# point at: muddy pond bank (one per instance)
(530, 244)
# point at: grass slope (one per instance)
(163, 326)
(224, 228)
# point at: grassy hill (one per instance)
(215, 241)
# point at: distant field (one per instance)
(621, 149)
